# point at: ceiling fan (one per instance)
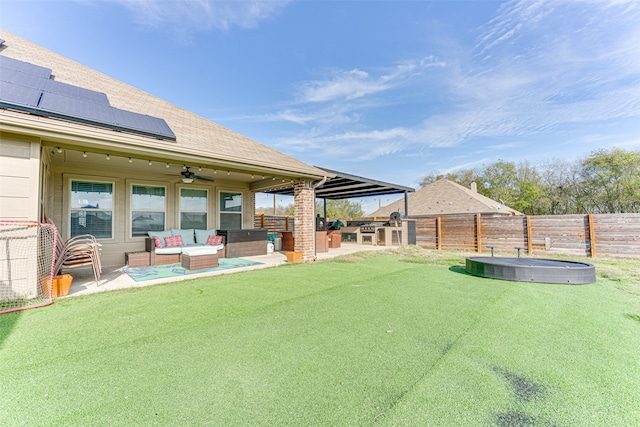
(188, 176)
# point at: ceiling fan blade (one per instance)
(203, 178)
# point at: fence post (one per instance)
(439, 232)
(262, 220)
(478, 232)
(286, 223)
(592, 236)
(529, 236)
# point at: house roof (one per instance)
(346, 186)
(446, 197)
(198, 140)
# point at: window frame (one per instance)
(131, 210)
(207, 210)
(71, 209)
(222, 212)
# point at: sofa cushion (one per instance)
(201, 250)
(203, 235)
(169, 251)
(160, 234)
(157, 242)
(214, 240)
(173, 241)
(187, 235)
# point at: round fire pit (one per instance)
(532, 270)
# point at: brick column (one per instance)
(304, 222)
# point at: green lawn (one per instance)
(392, 340)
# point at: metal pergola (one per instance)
(347, 186)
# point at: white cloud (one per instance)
(354, 84)
(344, 85)
(539, 69)
(185, 16)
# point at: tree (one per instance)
(610, 181)
(281, 210)
(342, 208)
(500, 182)
(559, 181)
(463, 177)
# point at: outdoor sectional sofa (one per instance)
(175, 242)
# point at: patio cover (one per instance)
(346, 186)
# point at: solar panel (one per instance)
(27, 87)
(75, 92)
(25, 67)
(72, 107)
(103, 115)
(18, 94)
(16, 77)
(143, 123)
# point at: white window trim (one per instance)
(179, 200)
(130, 210)
(68, 209)
(218, 207)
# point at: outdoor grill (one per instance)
(368, 228)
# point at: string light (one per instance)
(167, 166)
(84, 154)
(59, 150)
(108, 157)
(130, 160)
(150, 162)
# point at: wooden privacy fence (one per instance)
(273, 223)
(606, 235)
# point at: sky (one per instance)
(388, 90)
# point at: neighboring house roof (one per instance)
(445, 197)
(196, 137)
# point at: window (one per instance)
(193, 208)
(230, 211)
(92, 209)
(147, 209)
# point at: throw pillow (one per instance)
(214, 240)
(157, 242)
(160, 234)
(187, 235)
(203, 235)
(173, 241)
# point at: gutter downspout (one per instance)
(319, 183)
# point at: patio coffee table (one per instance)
(199, 258)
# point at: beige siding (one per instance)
(19, 178)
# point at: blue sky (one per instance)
(390, 90)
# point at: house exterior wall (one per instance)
(19, 177)
(94, 168)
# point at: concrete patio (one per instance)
(113, 277)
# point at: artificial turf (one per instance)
(387, 340)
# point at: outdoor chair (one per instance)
(79, 251)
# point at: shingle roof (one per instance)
(445, 197)
(195, 135)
